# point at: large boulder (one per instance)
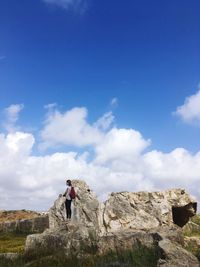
(71, 240)
(86, 208)
(147, 210)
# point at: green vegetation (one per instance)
(194, 250)
(12, 242)
(196, 219)
(18, 262)
(140, 256)
(193, 231)
(193, 228)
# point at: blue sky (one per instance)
(82, 54)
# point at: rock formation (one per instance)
(144, 210)
(123, 221)
(85, 209)
(35, 225)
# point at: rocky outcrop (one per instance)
(34, 225)
(125, 210)
(174, 255)
(123, 221)
(86, 208)
(145, 210)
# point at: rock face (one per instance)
(85, 209)
(174, 255)
(144, 210)
(123, 221)
(34, 225)
(125, 210)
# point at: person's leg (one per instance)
(70, 211)
(68, 208)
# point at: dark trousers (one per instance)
(68, 208)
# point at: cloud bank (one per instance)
(109, 159)
(72, 128)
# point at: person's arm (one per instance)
(64, 195)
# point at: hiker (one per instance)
(70, 195)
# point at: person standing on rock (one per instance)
(68, 200)
(69, 194)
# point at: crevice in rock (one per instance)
(86, 215)
(181, 215)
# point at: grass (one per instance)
(194, 232)
(195, 229)
(139, 256)
(196, 219)
(194, 250)
(12, 242)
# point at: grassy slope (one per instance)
(13, 215)
(12, 242)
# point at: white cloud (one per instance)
(120, 162)
(76, 5)
(34, 182)
(20, 142)
(189, 112)
(177, 167)
(124, 144)
(71, 128)
(12, 115)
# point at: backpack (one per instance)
(72, 193)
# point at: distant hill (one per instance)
(13, 215)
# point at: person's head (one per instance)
(68, 182)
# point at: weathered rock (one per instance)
(82, 244)
(144, 210)
(34, 225)
(123, 221)
(85, 209)
(125, 240)
(176, 256)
